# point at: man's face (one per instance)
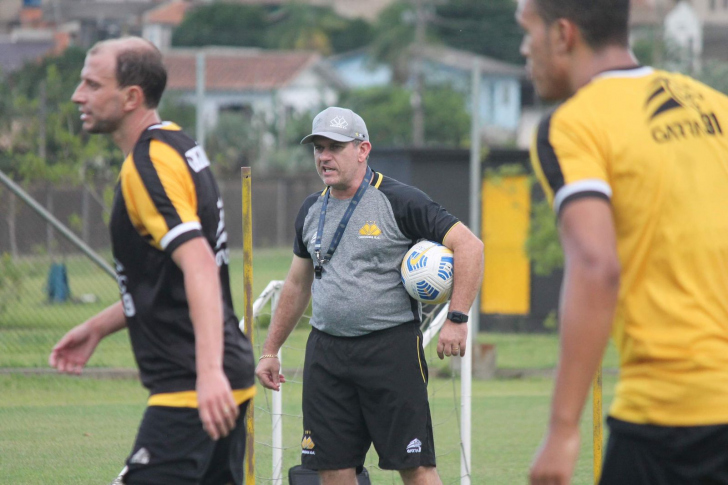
(98, 95)
(545, 68)
(337, 163)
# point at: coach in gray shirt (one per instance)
(365, 375)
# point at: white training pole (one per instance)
(466, 374)
(277, 415)
(466, 392)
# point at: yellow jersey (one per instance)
(655, 145)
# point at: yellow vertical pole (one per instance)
(597, 423)
(248, 304)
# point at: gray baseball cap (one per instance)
(338, 124)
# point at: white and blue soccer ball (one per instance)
(427, 270)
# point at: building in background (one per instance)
(159, 22)
(500, 83)
(252, 81)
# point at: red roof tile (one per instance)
(237, 69)
(171, 13)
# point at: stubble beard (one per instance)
(104, 127)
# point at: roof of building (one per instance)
(238, 69)
(170, 13)
(96, 10)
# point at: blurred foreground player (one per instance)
(169, 245)
(635, 163)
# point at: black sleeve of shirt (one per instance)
(417, 216)
(299, 245)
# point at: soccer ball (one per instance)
(427, 272)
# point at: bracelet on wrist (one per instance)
(267, 356)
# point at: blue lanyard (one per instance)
(319, 268)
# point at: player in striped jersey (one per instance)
(170, 248)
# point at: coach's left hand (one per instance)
(453, 337)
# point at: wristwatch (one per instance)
(457, 317)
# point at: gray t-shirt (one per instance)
(361, 289)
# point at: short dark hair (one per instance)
(142, 67)
(602, 22)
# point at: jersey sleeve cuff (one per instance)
(302, 254)
(577, 190)
(180, 234)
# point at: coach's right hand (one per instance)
(268, 372)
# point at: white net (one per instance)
(277, 451)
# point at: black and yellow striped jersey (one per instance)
(166, 196)
(654, 144)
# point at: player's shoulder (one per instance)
(168, 133)
(310, 200)
(397, 191)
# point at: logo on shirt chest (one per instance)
(370, 231)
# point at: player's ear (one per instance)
(564, 35)
(364, 148)
(133, 98)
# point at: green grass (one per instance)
(59, 429)
(533, 351)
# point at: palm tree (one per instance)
(299, 26)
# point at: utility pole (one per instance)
(418, 110)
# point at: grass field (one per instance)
(58, 429)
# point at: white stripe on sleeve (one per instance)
(177, 230)
(587, 185)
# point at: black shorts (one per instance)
(639, 454)
(363, 390)
(172, 447)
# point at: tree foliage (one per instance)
(388, 114)
(291, 26)
(224, 24)
(40, 119)
(486, 28)
(543, 246)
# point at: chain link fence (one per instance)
(47, 284)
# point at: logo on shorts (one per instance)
(141, 457)
(307, 444)
(415, 446)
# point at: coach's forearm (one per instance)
(587, 309)
(467, 272)
(291, 305)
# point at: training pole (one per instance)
(597, 423)
(248, 305)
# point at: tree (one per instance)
(41, 131)
(291, 26)
(388, 114)
(486, 28)
(223, 23)
(299, 26)
(394, 33)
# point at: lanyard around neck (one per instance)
(319, 268)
